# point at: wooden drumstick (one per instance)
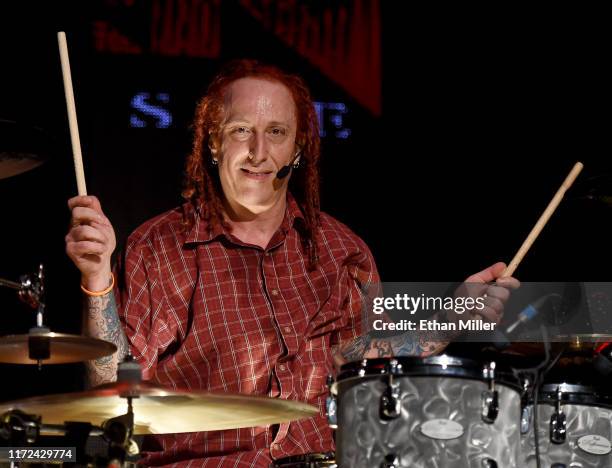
(550, 209)
(72, 116)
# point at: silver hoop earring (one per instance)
(214, 162)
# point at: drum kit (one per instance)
(437, 411)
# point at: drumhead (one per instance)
(442, 366)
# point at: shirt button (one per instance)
(288, 329)
(274, 292)
(283, 367)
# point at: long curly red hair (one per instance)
(202, 187)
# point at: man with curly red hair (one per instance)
(247, 287)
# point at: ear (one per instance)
(213, 144)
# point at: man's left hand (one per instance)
(495, 290)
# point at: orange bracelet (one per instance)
(100, 293)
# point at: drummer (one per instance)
(247, 287)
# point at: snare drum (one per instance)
(574, 427)
(427, 413)
(310, 460)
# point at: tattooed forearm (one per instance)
(351, 351)
(407, 344)
(101, 320)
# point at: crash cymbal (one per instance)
(52, 348)
(585, 342)
(158, 410)
(22, 148)
(568, 343)
(13, 163)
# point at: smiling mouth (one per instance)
(258, 175)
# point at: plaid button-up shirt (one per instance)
(204, 311)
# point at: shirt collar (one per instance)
(202, 231)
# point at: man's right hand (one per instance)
(90, 242)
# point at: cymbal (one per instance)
(569, 344)
(22, 148)
(585, 342)
(14, 163)
(62, 348)
(158, 410)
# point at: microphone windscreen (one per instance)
(283, 172)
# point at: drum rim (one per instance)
(307, 458)
(568, 387)
(575, 394)
(431, 366)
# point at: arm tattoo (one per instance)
(407, 344)
(101, 320)
(354, 350)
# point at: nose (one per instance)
(258, 149)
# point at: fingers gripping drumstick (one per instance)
(550, 209)
(72, 117)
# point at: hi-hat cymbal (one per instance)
(22, 148)
(55, 348)
(158, 410)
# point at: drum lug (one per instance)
(526, 414)
(558, 422)
(390, 461)
(390, 407)
(490, 398)
(331, 405)
(557, 428)
(526, 407)
(490, 406)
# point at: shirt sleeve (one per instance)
(141, 306)
(362, 282)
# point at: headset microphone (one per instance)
(285, 170)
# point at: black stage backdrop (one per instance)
(447, 131)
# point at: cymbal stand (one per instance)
(120, 430)
(31, 291)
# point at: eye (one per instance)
(240, 130)
(278, 131)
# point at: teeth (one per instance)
(256, 173)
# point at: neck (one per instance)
(255, 228)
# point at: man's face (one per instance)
(257, 139)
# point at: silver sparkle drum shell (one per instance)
(588, 413)
(433, 392)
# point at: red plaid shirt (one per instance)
(204, 311)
